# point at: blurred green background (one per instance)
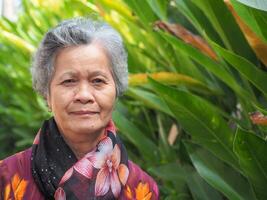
(194, 114)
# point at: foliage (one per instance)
(216, 151)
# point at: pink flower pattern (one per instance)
(84, 166)
(60, 194)
(111, 173)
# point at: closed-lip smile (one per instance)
(84, 112)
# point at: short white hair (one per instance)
(73, 32)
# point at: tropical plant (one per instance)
(194, 114)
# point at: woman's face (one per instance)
(82, 91)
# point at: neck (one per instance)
(84, 144)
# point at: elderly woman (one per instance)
(80, 68)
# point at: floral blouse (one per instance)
(16, 181)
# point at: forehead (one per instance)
(83, 57)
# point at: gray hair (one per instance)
(79, 31)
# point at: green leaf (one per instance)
(251, 150)
(145, 146)
(170, 172)
(200, 189)
(17, 41)
(212, 66)
(187, 66)
(201, 119)
(218, 174)
(247, 69)
(185, 174)
(142, 10)
(224, 23)
(118, 6)
(149, 99)
(159, 7)
(198, 19)
(259, 4)
(254, 18)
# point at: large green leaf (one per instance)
(219, 175)
(212, 66)
(186, 175)
(142, 10)
(171, 172)
(187, 66)
(145, 146)
(225, 25)
(199, 188)
(149, 99)
(118, 6)
(201, 119)
(255, 19)
(159, 7)
(246, 68)
(251, 150)
(16, 41)
(198, 19)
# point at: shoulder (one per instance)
(18, 163)
(15, 176)
(140, 182)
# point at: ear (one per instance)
(48, 102)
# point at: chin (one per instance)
(87, 128)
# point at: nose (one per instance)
(84, 94)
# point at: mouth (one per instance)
(84, 113)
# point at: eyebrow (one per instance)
(72, 73)
(97, 73)
(69, 73)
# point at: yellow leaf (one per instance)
(119, 7)
(17, 41)
(163, 77)
(51, 4)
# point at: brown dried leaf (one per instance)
(188, 37)
(258, 118)
(258, 46)
(173, 134)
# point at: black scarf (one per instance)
(60, 175)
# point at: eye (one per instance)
(68, 82)
(98, 81)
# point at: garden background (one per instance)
(194, 114)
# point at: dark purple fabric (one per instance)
(16, 181)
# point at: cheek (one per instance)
(106, 101)
(61, 99)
